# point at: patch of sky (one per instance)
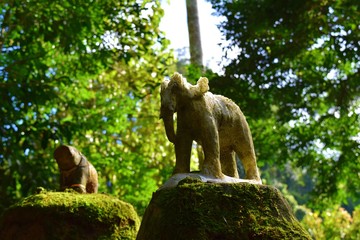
(334, 111)
(326, 151)
(53, 111)
(50, 72)
(26, 152)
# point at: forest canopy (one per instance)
(296, 76)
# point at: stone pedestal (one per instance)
(69, 215)
(197, 210)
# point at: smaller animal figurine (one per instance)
(76, 171)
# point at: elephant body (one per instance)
(214, 121)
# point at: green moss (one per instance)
(81, 216)
(196, 210)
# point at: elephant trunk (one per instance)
(169, 126)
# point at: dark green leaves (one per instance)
(300, 59)
(83, 73)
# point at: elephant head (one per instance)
(177, 91)
(168, 108)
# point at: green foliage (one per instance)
(82, 73)
(296, 78)
(333, 223)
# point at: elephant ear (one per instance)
(201, 87)
(164, 85)
(177, 80)
(203, 84)
(179, 85)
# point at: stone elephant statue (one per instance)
(76, 171)
(214, 121)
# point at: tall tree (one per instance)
(296, 77)
(196, 56)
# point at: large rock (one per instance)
(69, 215)
(197, 210)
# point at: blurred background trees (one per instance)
(296, 76)
(88, 73)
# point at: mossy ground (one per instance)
(69, 215)
(197, 210)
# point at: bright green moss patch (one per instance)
(196, 210)
(69, 215)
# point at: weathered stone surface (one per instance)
(197, 210)
(178, 177)
(69, 215)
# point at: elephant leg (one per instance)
(183, 145)
(248, 160)
(228, 163)
(210, 144)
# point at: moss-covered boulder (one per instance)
(69, 215)
(197, 210)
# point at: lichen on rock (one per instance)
(197, 210)
(69, 215)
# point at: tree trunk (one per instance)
(194, 33)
